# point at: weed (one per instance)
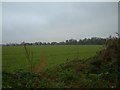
(29, 56)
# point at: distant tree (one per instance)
(72, 41)
(44, 43)
(85, 41)
(54, 43)
(23, 43)
(62, 43)
(48, 43)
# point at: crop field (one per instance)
(46, 56)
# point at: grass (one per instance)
(99, 71)
(13, 57)
(0, 67)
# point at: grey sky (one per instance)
(48, 22)
(0, 22)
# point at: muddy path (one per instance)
(39, 68)
(42, 62)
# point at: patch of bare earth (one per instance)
(41, 65)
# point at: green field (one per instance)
(14, 57)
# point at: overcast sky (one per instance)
(47, 22)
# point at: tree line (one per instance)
(85, 41)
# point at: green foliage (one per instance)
(67, 75)
(100, 71)
(20, 79)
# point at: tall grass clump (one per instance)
(29, 57)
